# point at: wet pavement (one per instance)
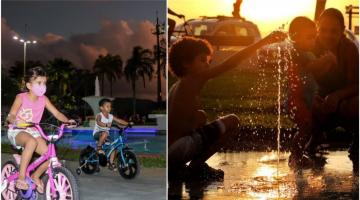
(259, 175)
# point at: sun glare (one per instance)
(276, 10)
(267, 14)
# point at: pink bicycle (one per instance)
(58, 181)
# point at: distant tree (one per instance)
(108, 66)
(139, 65)
(16, 71)
(9, 89)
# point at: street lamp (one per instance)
(25, 43)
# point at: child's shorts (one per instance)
(12, 133)
(191, 146)
(98, 134)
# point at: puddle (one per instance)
(258, 175)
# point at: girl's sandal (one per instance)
(22, 185)
(39, 186)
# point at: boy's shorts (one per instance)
(98, 134)
(13, 132)
(189, 147)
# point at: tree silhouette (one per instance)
(109, 66)
(139, 65)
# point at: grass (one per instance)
(153, 161)
(249, 93)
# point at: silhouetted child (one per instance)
(191, 138)
(102, 126)
(302, 85)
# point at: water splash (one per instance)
(279, 108)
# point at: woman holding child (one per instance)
(338, 97)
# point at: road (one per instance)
(107, 185)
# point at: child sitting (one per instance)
(29, 107)
(302, 85)
(102, 126)
(191, 138)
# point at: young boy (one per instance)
(191, 138)
(102, 126)
(302, 85)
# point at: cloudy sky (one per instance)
(80, 31)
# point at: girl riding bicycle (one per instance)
(29, 107)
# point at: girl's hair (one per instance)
(32, 74)
(334, 14)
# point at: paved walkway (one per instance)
(106, 185)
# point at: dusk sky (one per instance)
(80, 31)
(73, 17)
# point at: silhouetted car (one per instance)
(220, 30)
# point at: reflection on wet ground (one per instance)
(259, 175)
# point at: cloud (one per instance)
(117, 37)
(114, 37)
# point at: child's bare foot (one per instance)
(22, 184)
(39, 184)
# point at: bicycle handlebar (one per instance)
(37, 126)
(123, 128)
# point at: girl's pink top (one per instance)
(30, 111)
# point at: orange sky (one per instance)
(267, 14)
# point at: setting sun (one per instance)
(267, 14)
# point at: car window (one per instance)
(225, 30)
(232, 30)
(241, 31)
(200, 29)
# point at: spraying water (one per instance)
(278, 109)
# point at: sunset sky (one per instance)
(267, 14)
(80, 31)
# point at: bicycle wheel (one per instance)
(88, 155)
(131, 168)
(65, 185)
(10, 192)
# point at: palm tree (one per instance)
(60, 73)
(17, 71)
(139, 65)
(109, 66)
(161, 65)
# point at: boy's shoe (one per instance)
(204, 172)
(112, 167)
(100, 151)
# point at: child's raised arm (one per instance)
(120, 121)
(238, 57)
(57, 114)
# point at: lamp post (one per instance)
(25, 43)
